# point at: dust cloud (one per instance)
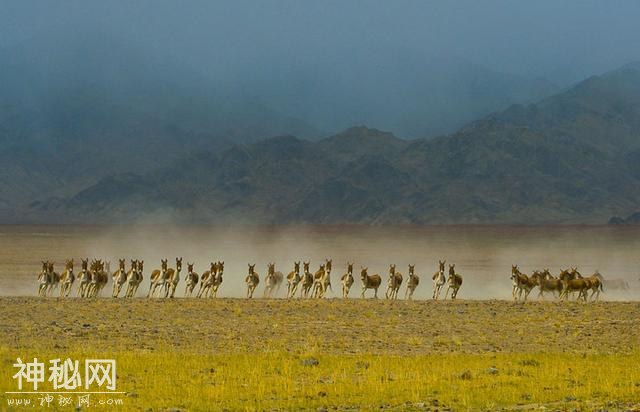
(482, 254)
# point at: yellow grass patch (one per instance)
(282, 380)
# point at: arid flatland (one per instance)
(231, 354)
(333, 326)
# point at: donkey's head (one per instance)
(565, 274)
(574, 272)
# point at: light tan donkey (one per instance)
(273, 281)
(595, 285)
(347, 281)
(412, 283)
(614, 284)
(134, 278)
(394, 283)
(217, 280)
(252, 280)
(96, 270)
(119, 278)
(207, 279)
(158, 278)
(192, 280)
(326, 279)
(369, 282)
(139, 277)
(317, 281)
(438, 280)
(66, 279)
(84, 279)
(293, 280)
(173, 278)
(454, 282)
(43, 279)
(307, 280)
(522, 283)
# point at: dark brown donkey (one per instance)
(548, 283)
(572, 281)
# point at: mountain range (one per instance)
(76, 108)
(573, 157)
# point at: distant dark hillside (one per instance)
(633, 219)
(571, 158)
(75, 109)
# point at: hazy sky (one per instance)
(560, 40)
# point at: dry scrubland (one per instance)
(272, 354)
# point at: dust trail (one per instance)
(482, 254)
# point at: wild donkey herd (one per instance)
(93, 278)
(568, 281)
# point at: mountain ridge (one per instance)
(570, 158)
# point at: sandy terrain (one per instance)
(334, 326)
